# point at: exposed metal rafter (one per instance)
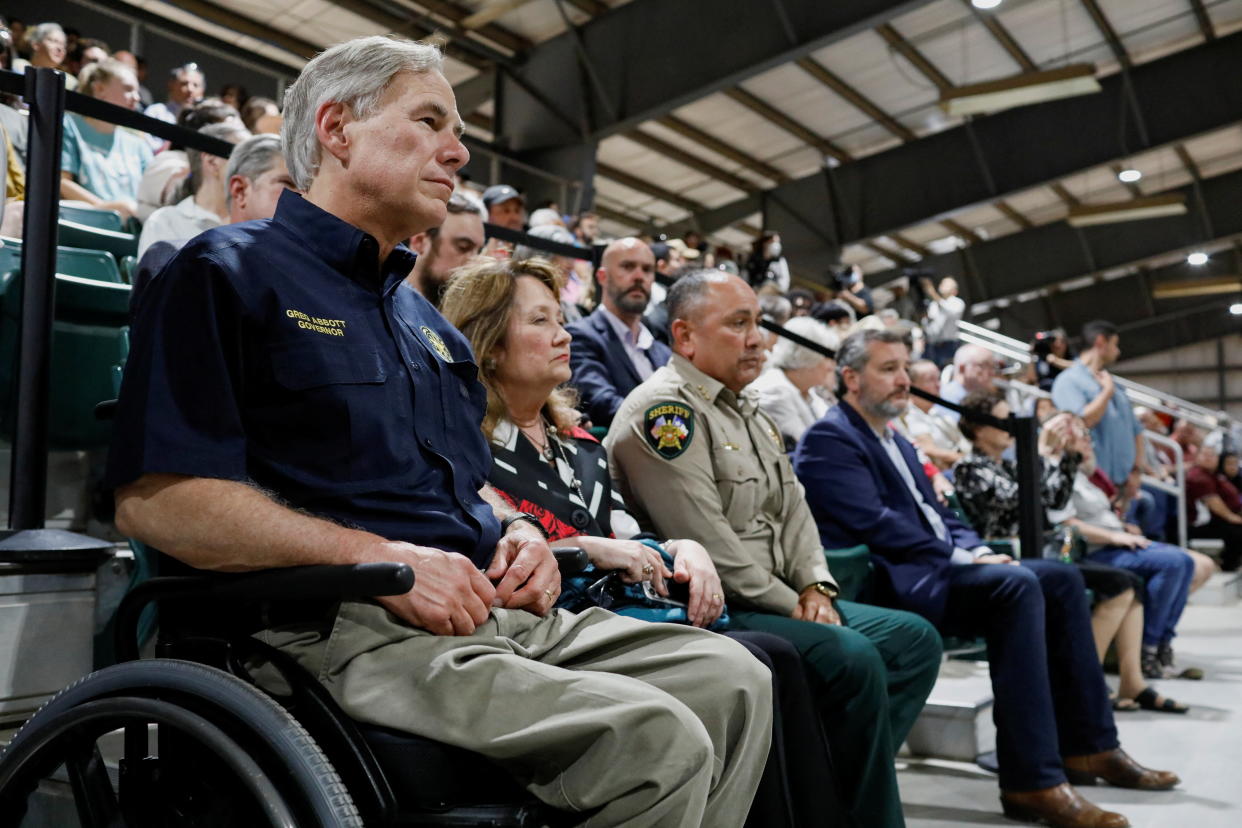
(1133, 187)
(1004, 38)
(1069, 199)
(711, 142)
(906, 49)
(494, 32)
(967, 235)
(591, 7)
(1205, 22)
(890, 253)
(1110, 34)
(245, 25)
(770, 113)
(825, 76)
(913, 246)
(1013, 215)
(635, 183)
(690, 160)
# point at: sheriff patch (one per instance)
(436, 343)
(669, 428)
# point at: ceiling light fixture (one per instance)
(1169, 204)
(1197, 259)
(1021, 90)
(1211, 286)
(1236, 310)
(985, 4)
(1129, 175)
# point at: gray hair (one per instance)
(354, 73)
(233, 133)
(854, 352)
(551, 232)
(250, 159)
(688, 291)
(790, 356)
(776, 307)
(43, 31)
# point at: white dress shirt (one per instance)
(636, 347)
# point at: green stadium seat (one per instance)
(118, 244)
(89, 338)
(70, 261)
(129, 265)
(92, 217)
(851, 567)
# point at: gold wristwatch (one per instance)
(825, 588)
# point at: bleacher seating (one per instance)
(120, 245)
(70, 261)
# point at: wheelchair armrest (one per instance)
(301, 583)
(570, 559)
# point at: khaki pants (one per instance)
(654, 724)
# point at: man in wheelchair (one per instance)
(289, 400)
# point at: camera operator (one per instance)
(1050, 350)
(849, 287)
(944, 310)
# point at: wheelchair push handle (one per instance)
(570, 559)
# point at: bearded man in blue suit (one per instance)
(865, 484)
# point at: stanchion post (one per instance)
(45, 95)
(1030, 482)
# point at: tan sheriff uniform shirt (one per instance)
(694, 460)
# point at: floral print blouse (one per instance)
(988, 491)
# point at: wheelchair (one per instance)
(201, 745)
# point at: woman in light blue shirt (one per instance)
(101, 163)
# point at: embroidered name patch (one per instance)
(436, 343)
(328, 327)
(669, 428)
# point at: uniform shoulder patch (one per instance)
(669, 428)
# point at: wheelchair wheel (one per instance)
(225, 754)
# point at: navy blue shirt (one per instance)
(281, 352)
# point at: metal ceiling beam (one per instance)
(643, 186)
(939, 174)
(491, 12)
(245, 25)
(687, 159)
(1204, 20)
(825, 76)
(803, 133)
(1055, 253)
(1110, 34)
(1067, 198)
(496, 33)
(969, 236)
(661, 68)
(1004, 38)
(464, 49)
(889, 253)
(711, 142)
(591, 7)
(1013, 215)
(913, 246)
(906, 49)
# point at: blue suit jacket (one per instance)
(856, 496)
(603, 373)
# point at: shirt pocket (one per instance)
(325, 415)
(739, 482)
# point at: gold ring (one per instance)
(648, 569)
(715, 596)
(549, 592)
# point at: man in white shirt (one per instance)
(943, 314)
(206, 207)
(922, 424)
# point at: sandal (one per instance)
(1149, 699)
(1125, 705)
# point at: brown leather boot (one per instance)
(1061, 807)
(1117, 769)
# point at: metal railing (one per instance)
(1178, 489)
(1139, 394)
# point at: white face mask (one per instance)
(774, 250)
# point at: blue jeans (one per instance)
(1150, 512)
(1168, 571)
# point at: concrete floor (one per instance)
(1204, 746)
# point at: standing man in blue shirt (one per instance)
(290, 400)
(613, 351)
(1088, 389)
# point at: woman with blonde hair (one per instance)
(547, 465)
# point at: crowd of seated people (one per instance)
(732, 459)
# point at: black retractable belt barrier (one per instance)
(1024, 429)
(571, 251)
